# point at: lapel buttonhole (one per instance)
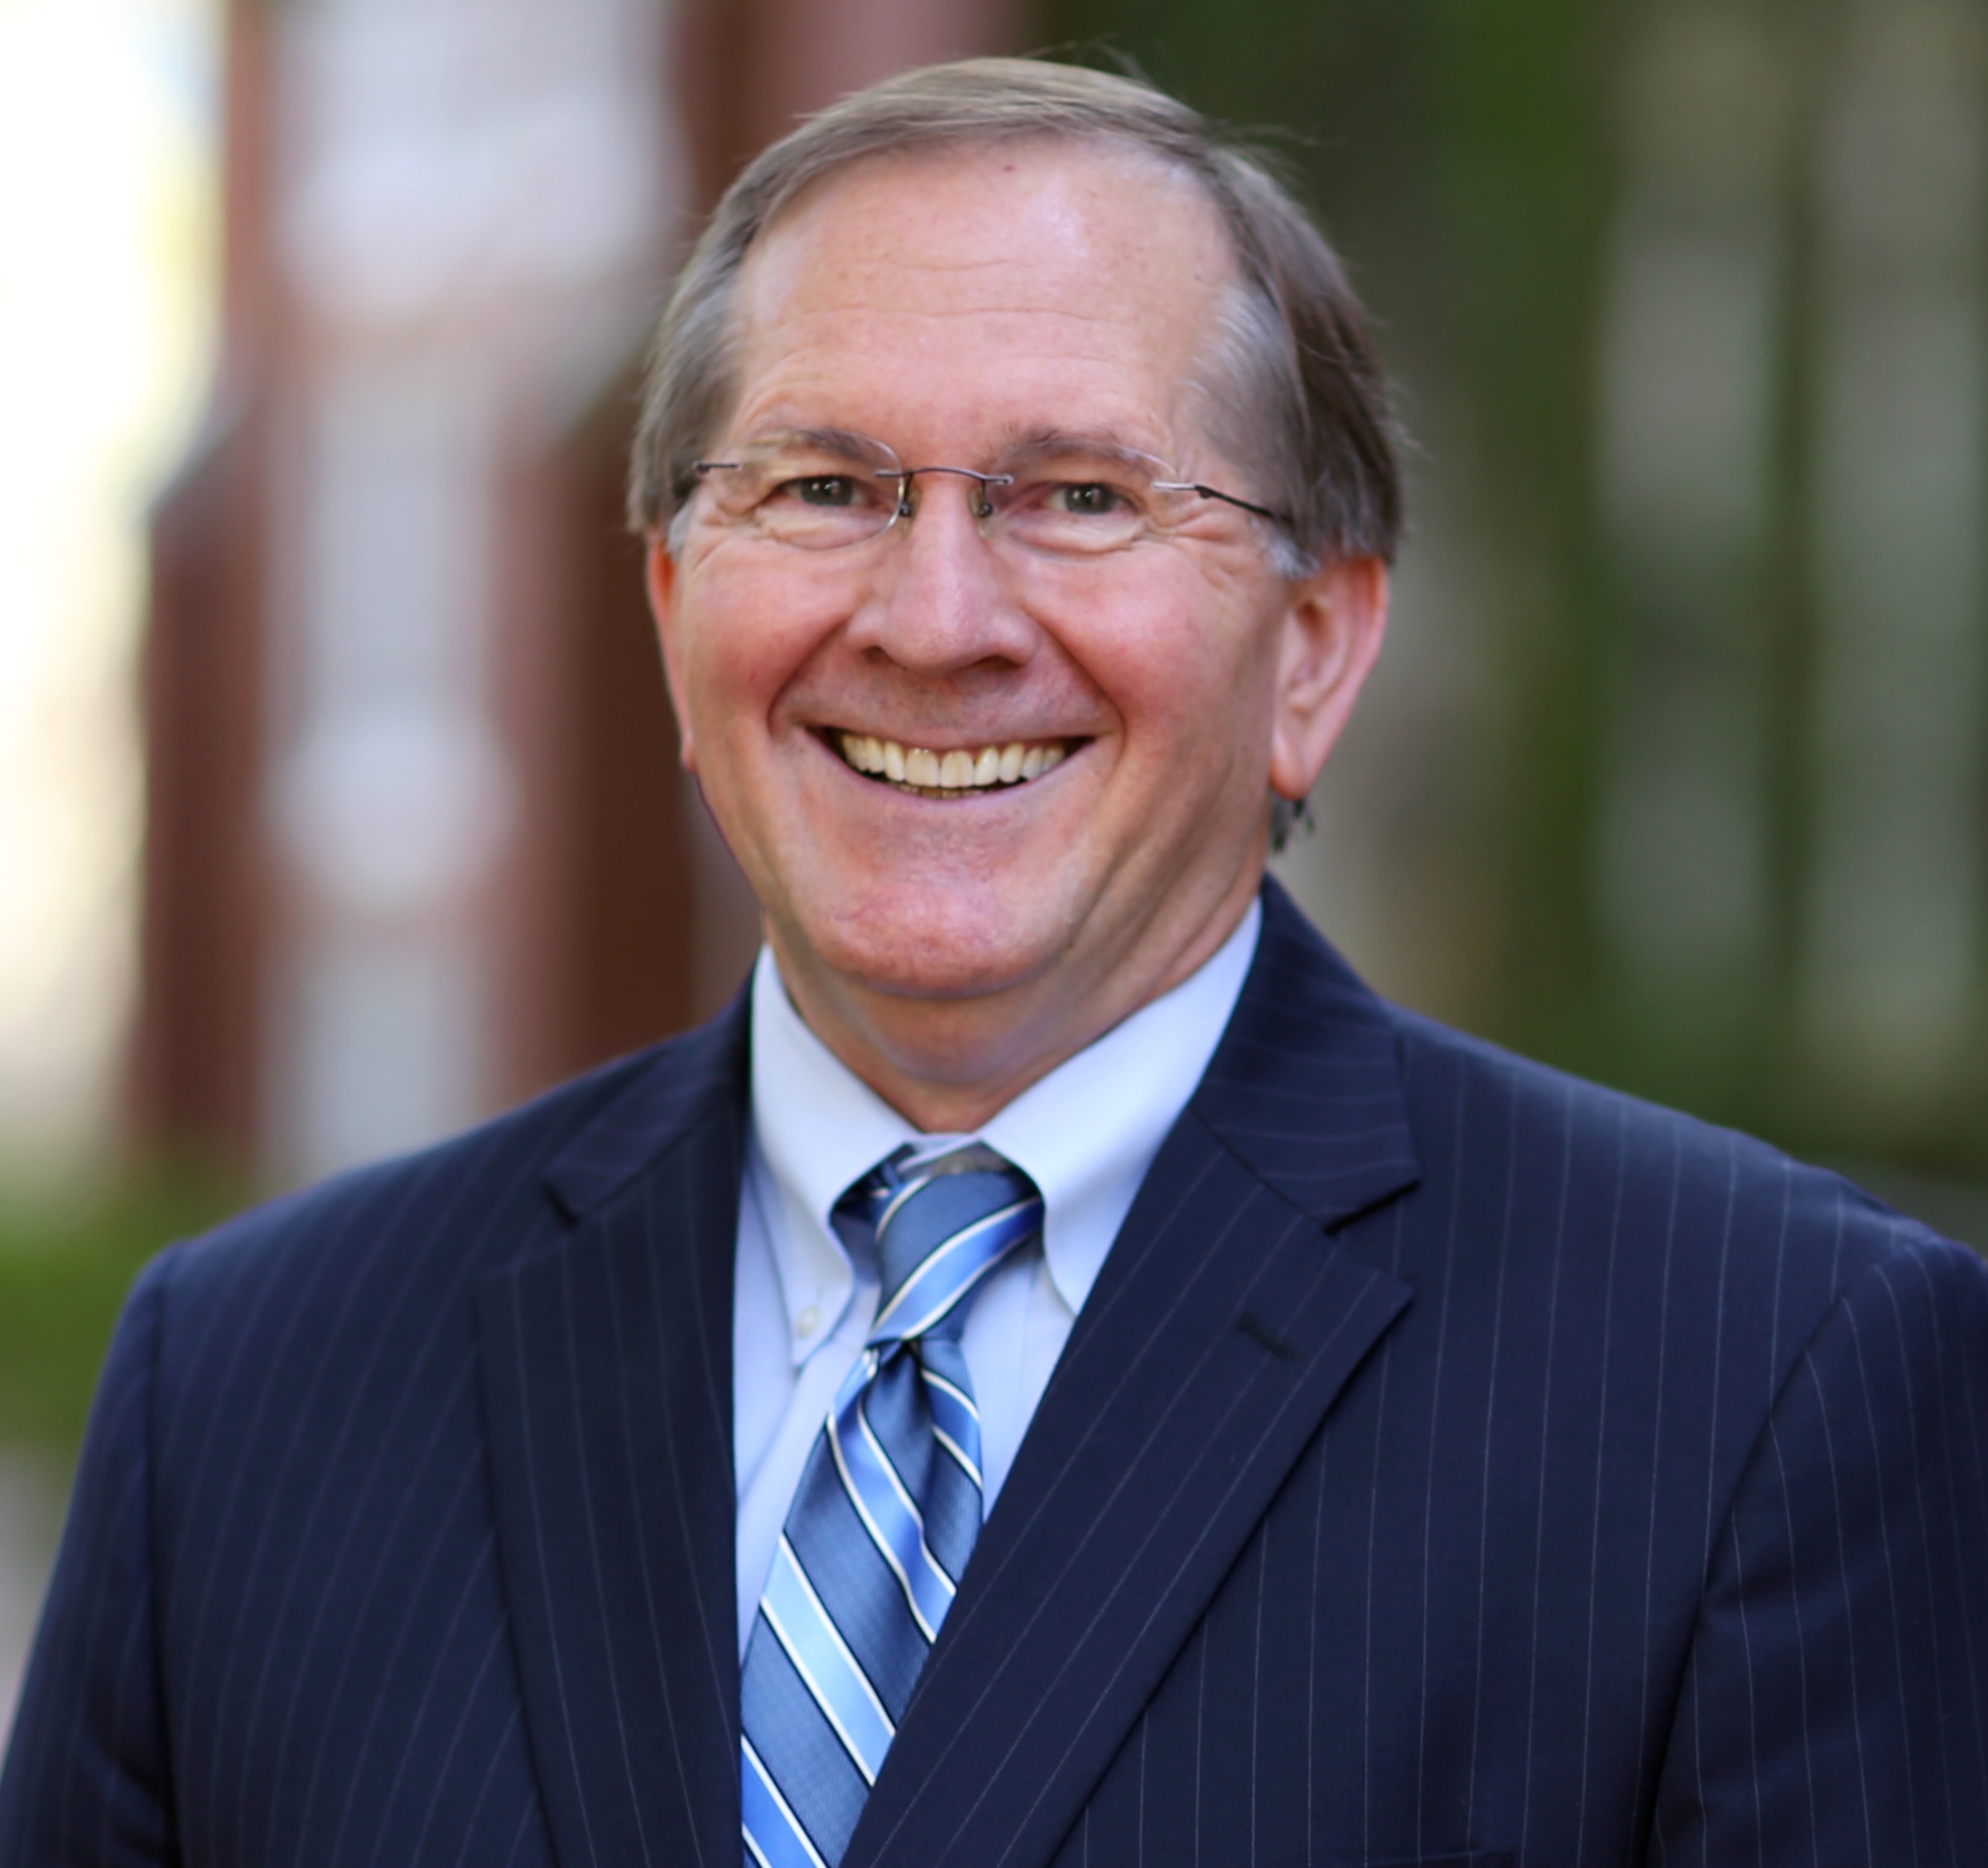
(1260, 1333)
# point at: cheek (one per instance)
(743, 636)
(1191, 680)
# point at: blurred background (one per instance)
(338, 803)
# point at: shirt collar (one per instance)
(1086, 1134)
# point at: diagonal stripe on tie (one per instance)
(956, 1421)
(823, 1660)
(888, 1515)
(955, 1266)
(773, 1836)
(887, 1512)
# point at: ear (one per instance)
(661, 577)
(1332, 634)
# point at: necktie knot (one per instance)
(942, 1219)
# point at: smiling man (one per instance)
(988, 686)
(1059, 1372)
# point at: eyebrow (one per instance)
(1029, 444)
(1039, 444)
(845, 444)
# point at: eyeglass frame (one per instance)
(905, 475)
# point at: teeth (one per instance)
(957, 770)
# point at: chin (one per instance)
(911, 946)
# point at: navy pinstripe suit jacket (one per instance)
(1454, 1464)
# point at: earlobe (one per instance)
(659, 575)
(1332, 634)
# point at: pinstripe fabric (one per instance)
(1453, 1463)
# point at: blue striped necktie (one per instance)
(887, 1508)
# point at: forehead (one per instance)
(983, 284)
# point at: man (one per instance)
(1059, 1372)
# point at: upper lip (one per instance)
(951, 740)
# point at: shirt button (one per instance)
(808, 1321)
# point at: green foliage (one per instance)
(64, 1274)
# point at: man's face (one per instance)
(956, 307)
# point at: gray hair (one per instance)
(1293, 387)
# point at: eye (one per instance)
(1087, 499)
(829, 490)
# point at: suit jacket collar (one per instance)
(1223, 1326)
(1306, 1086)
(686, 1084)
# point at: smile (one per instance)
(959, 773)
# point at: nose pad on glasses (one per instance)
(977, 501)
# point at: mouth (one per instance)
(960, 774)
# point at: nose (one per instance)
(939, 603)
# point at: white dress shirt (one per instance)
(1085, 1134)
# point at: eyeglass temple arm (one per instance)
(1227, 499)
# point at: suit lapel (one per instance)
(1225, 1322)
(606, 1366)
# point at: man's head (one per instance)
(1160, 576)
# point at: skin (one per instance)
(951, 951)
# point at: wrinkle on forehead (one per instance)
(1089, 235)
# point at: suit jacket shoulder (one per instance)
(1720, 1209)
(564, 1151)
